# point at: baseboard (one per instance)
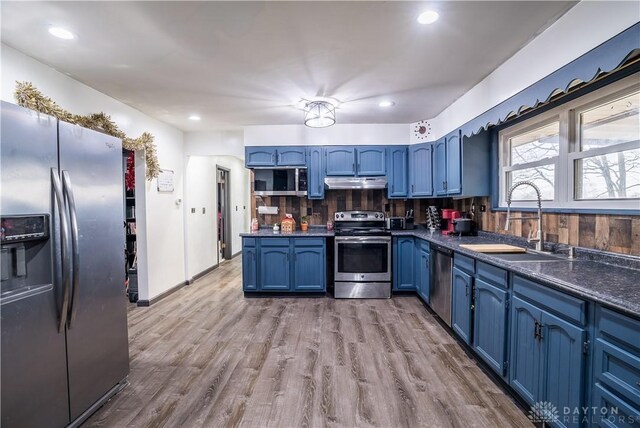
(199, 275)
(162, 295)
(236, 254)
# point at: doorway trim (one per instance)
(226, 214)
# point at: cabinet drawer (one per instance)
(618, 369)
(249, 242)
(275, 242)
(491, 274)
(618, 328)
(611, 411)
(464, 263)
(308, 242)
(562, 304)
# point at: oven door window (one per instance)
(363, 257)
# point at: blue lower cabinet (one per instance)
(526, 358)
(309, 268)
(249, 268)
(461, 310)
(610, 411)
(275, 266)
(423, 269)
(403, 263)
(490, 325)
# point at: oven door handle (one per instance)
(364, 239)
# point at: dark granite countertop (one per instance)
(611, 285)
(269, 233)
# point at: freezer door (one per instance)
(97, 342)
(33, 389)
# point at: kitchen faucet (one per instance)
(538, 239)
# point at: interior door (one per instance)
(97, 342)
(33, 354)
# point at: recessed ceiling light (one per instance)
(61, 33)
(386, 103)
(194, 117)
(428, 17)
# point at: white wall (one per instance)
(202, 233)
(582, 28)
(160, 228)
(220, 143)
(339, 134)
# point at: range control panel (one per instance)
(21, 228)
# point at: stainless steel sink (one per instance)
(528, 257)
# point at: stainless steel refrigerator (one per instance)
(62, 303)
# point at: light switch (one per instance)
(203, 210)
(193, 210)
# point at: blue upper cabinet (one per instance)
(420, 170)
(275, 156)
(259, 156)
(315, 173)
(440, 167)
(370, 161)
(291, 156)
(453, 182)
(397, 172)
(340, 160)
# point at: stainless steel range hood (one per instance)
(355, 182)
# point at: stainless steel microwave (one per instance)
(280, 182)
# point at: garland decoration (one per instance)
(29, 97)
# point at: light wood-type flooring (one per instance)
(208, 356)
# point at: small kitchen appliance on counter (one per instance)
(362, 265)
(448, 224)
(395, 223)
(464, 227)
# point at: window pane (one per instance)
(612, 123)
(610, 176)
(534, 145)
(541, 176)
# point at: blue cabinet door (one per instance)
(291, 156)
(525, 359)
(563, 362)
(490, 325)
(453, 180)
(309, 269)
(249, 269)
(440, 167)
(275, 272)
(259, 156)
(340, 160)
(423, 269)
(462, 287)
(370, 161)
(315, 173)
(397, 172)
(403, 263)
(420, 170)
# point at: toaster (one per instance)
(396, 223)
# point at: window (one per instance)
(582, 154)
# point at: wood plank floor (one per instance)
(207, 356)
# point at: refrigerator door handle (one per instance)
(75, 251)
(66, 257)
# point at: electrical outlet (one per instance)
(483, 208)
(309, 211)
(203, 210)
(193, 210)
(386, 207)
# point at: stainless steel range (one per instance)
(362, 267)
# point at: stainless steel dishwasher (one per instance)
(440, 292)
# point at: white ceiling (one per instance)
(247, 63)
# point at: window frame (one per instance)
(565, 178)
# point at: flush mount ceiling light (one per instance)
(428, 17)
(194, 117)
(319, 114)
(61, 33)
(386, 103)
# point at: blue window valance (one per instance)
(602, 59)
